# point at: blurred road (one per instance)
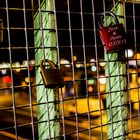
(88, 128)
(16, 111)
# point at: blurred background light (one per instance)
(91, 82)
(102, 80)
(129, 53)
(74, 58)
(3, 71)
(93, 68)
(65, 62)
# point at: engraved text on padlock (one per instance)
(113, 37)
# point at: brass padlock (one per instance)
(52, 77)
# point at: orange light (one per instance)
(74, 58)
(90, 89)
(23, 83)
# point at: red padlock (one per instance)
(113, 37)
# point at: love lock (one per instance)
(51, 76)
(114, 36)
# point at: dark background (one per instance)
(81, 41)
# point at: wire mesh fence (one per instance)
(100, 99)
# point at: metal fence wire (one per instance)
(100, 98)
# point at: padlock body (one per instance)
(113, 37)
(52, 78)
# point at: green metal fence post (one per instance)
(45, 48)
(116, 97)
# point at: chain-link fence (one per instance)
(100, 98)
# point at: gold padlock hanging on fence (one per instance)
(52, 77)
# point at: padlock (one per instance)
(114, 36)
(52, 77)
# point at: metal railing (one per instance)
(100, 99)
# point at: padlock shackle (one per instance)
(100, 23)
(113, 15)
(51, 63)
